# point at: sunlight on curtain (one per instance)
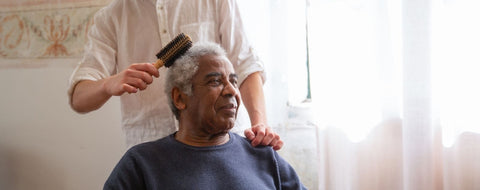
(356, 65)
(456, 67)
(395, 88)
(396, 93)
(355, 76)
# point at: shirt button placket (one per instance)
(162, 23)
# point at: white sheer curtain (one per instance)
(395, 87)
(396, 93)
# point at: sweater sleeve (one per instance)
(126, 175)
(289, 179)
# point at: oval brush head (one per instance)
(173, 50)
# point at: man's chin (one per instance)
(226, 129)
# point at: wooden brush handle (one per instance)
(159, 64)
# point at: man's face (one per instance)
(215, 100)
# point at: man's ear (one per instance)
(179, 99)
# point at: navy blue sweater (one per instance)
(169, 164)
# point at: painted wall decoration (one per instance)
(45, 28)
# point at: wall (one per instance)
(45, 145)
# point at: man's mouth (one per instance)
(229, 107)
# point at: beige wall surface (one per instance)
(44, 145)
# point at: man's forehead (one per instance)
(214, 62)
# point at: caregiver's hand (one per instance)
(260, 134)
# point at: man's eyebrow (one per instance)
(216, 74)
(212, 74)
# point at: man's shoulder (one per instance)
(247, 144)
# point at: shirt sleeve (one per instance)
(99, 59)
(234, 40)
(289, 179)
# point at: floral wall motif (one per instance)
(43, 29)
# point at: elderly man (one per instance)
(203, 94)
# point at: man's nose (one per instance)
(229, 89)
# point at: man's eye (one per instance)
(215, 82)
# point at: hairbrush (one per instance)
(173, 50)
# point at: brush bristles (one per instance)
(174, 49)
